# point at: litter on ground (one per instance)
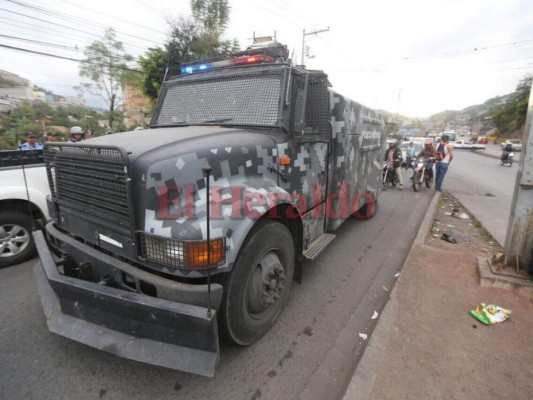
(363, 335)
(375, 315)
(448, 238)
(490, 314)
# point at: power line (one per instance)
(86, 41)
(63, 26)
(64, 58)
(40, 43)
(462, 52)
(70, 17)
(115, 17)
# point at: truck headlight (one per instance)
(182, 254)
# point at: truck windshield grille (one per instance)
(251, 98)
(89, 179)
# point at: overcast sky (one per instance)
(415, 57)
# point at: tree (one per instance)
(193, 38)
(153, 70)
(511, 116)
(105, 64)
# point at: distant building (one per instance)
(12, 85)
(39, 95)
(136, 106)
(72, 100)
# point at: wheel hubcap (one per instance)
(267, 284)
(13, 240)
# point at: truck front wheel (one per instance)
(16, 241)
(257, 288)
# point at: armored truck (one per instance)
(161, 239)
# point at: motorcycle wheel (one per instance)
(428, 184)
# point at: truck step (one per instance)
(319, 244)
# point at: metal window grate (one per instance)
(89, 179)
(317, 105)
(252, 97)
(181, 254)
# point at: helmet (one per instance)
(445, 138)
(76, 130)
(392, 141)
(428, 142)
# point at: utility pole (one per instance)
(307, 34)
(519, 238)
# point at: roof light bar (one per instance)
(249, 59)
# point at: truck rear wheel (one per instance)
(257, 288)
(16, 240)
(369, 209)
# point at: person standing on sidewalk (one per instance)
(444, 158)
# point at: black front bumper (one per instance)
(132, 325)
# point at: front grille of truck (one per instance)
(89, 179)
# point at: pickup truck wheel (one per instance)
(257, 288)
(16, 240)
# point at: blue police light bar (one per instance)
(191, 69)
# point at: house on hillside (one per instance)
(136, 106)
(13, 86)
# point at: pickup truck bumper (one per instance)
(129, 324)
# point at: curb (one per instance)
(488, 279)
(365, 373)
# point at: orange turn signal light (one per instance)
(196, 253)
(285, 160)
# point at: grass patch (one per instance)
(476, 224)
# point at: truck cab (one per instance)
(200, 225)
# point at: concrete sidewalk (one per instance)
(427, 346)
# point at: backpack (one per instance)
(441, 152)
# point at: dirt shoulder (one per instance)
(455, 221)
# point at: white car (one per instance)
(16, 240)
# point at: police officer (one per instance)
(76, 134)
(31, 142)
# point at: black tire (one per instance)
(368, 210)
(256, 290)
(416, 182)
(16, 240)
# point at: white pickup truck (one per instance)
(16, 241)
(463, 144)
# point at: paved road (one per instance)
(484, 187)
(345, 280)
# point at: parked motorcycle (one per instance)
(389, 176)
(507, 158)
(421, 173)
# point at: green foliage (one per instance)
(511, 116)
(190, 39)
(105, 64)
(153, 70)
(30, 116)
